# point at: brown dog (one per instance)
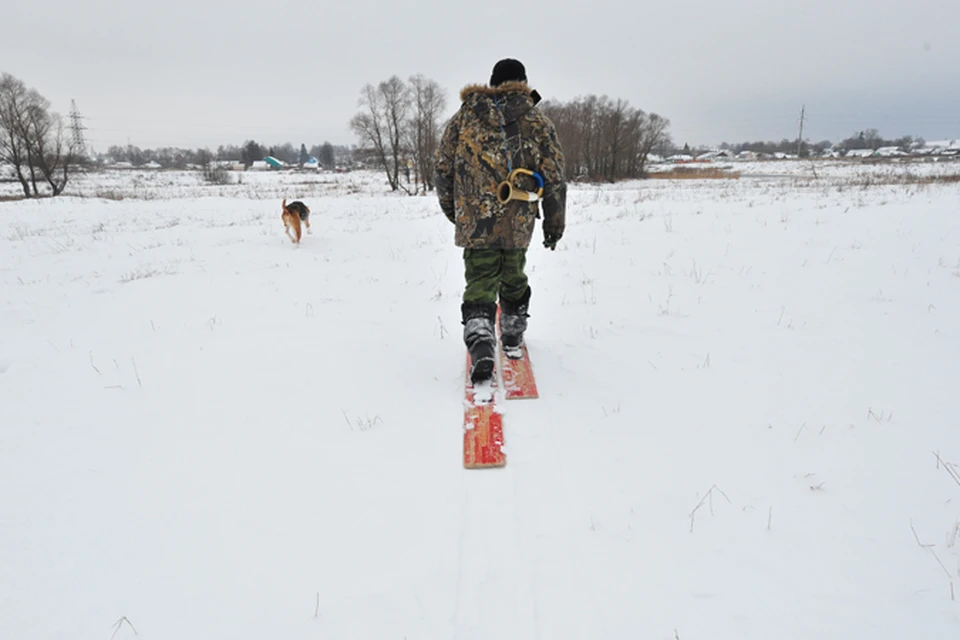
(292, 215)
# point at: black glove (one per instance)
(551, 239)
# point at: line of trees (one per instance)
(606, 139)
(398, 126)
(866, 139)
(32, 138)
(328, 155)
(871, 139)
(770, 147)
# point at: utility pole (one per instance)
(803, 111)
(76, 126)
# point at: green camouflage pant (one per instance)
(493, 271)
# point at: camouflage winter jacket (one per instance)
(497, 129)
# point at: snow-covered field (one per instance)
(748, 424)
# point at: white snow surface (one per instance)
(747, 425)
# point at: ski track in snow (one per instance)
(745, 387)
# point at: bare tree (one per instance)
(13, 147)
(396, 100)
(369, 126)
(615, 118)
(400, 128)
(50, 152)
(381, 127)
(428, 104)
(653, 134)
(32, 138)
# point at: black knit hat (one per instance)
(506, 70)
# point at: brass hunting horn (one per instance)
(506, 191)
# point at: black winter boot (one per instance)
(480, 336)
(513, 322)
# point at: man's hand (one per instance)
(550, 240)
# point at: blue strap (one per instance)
(539, 179)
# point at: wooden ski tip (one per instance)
(483, 438)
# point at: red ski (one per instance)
(518, 380)
(482, 428)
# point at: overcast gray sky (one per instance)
(206, 73)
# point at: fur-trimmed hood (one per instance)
(503, 89)
(512, 99)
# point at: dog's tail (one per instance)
(284, 204)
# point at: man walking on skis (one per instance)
(498, 160)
